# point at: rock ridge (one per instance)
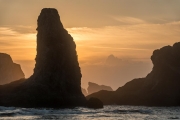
(93, 87)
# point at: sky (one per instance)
(115, 38)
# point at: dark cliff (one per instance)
(93, 87)
(159, 88)
(56, 81)
(9, 71)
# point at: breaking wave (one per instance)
(108, 113)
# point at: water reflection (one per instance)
(107, 113)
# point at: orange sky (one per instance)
(128, 29)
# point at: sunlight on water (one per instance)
(107, 113)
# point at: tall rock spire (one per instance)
(56, 59)
(56, 81)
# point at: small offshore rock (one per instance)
(94, 103)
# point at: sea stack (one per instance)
(56, 81)
(9, 71)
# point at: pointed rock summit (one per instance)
(56, 81)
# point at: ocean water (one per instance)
(111, 112)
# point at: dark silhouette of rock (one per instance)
(94, 103)
(93, 87)
(84, 91)
(56, 81)
(159, 88)
(9, 71)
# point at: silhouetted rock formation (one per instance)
(111, 59)
(56, 81)
(93, 87)
(9, 71)
(159, 88)
(84, 91)
(94, 103)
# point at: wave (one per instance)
(108, 112)
(131, 111)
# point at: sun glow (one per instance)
(130, 30)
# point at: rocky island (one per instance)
(9, 71)
(93, 87)
(56, 81)
(159, 88)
